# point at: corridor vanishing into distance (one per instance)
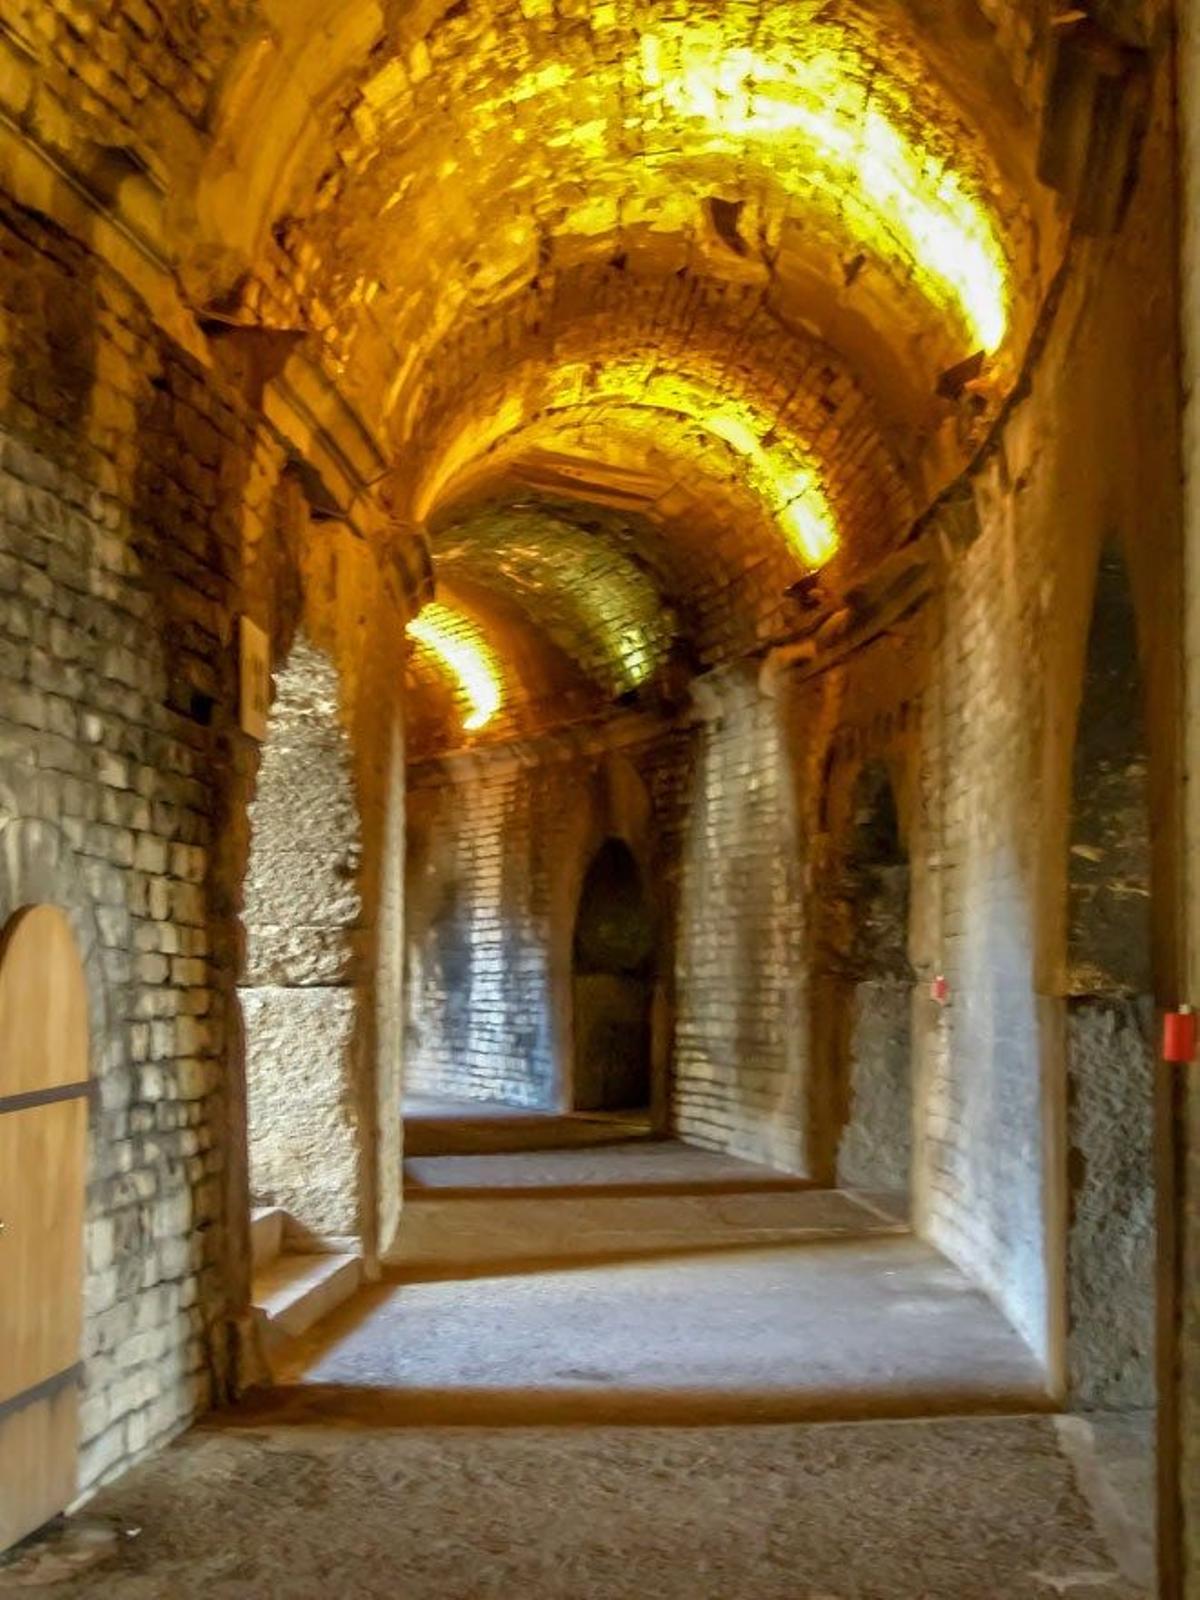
(599, 897)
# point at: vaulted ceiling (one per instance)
(661, 309)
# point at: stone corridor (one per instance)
(599, 846)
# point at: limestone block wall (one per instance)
(741, 1050)
(497, 854)
(982, 1145)
(480, 1022)
(1000, 722)
(121, 478)
(498, 850)
(298, 996)
(874, 1150)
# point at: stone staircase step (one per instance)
(266, 1235)
(442, 1237)
(295, 1291)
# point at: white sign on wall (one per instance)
(255, 678)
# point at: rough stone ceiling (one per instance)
(581, 575)
(477, 671)
(804, 148)
(708, 264)
(792, 422)
(727, 251)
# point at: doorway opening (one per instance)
(613, 975)
(1111, 1225)
(875, 1147)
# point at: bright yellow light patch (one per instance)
(778, 471)
(465, 654)
(810, 119)
(772, 464)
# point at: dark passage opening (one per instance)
(1110, 1023)
(875, 1150)
(613, 985)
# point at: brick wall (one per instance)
(479, 1014)
(741, 1047)
(982, 1155)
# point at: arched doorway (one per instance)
(44, 1066)
(1110, 1024)
(875, 1148)
(613, 985)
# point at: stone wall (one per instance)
(498, 851)
(982, 1153)
(122, 475)
(741, 1050)
(1074, 472)
(137, 491)
(479, 1022)
(1110, 1022)
(298, 993)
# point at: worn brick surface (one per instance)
(740, 1079)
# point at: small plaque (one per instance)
(255, 693)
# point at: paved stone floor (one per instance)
(601, 1374)
(843, 1327)
(654, 1283)
(649, 1165)
(465, 1127)
(951, 1510)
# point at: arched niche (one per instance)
(613, 981)
(1110, 1257)
(875, 1145)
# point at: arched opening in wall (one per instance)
(298, 995)
(1110, 1024)
(613, 985)
(875, 1147)
(44, 1076)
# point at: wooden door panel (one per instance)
(43, 1154)
(39, 1452)
(41, 1248)
(43, 1005)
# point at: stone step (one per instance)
(445, 1237)
(266, 1235)
(429, 1134)
(295, 1291)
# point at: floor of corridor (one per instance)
(626, 1368)
(650, 1282)
(974, 1509)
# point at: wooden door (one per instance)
(43, 1152)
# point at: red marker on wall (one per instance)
(1179, 1035)
(939, 989)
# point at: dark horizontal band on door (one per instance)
(46, 1390)
(45, 1097)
